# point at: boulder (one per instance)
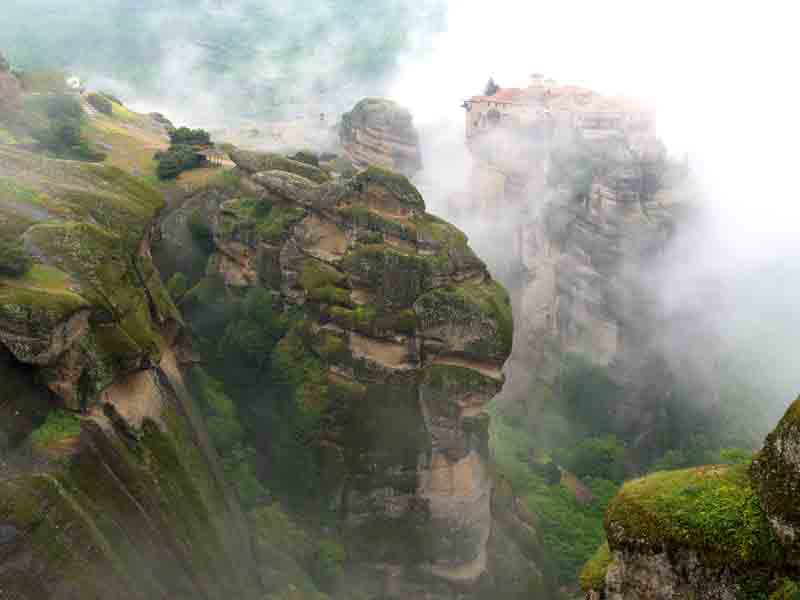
(380, 132)
(776, 471)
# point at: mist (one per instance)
(720, 78)
(212, 63)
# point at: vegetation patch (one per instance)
(184, 152)
(363, 217)
(593, 574)
(59, 426)
(252, 220)
(316, 276)
(31, 307)
(571, 530)
(484, 308)
(714, 510)
(56, 122)
(396, 183)
(14, 260)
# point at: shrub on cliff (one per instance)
(177, 286)
(61, 132)
(176, 160)
(249, 340)
(593, 574)
(183, 136)
(201, 232)
(227, 435)
(589, 393)
(598, 457)
(14, 260)
(328, 565)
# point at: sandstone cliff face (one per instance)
(380, 132)
(719, 532)
(108, 485)
(398, 349)
(591, 216)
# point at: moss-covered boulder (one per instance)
(593, 574)
(776, 472)
(699, 532)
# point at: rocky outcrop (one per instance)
(776, 472)
(588, 216)
(380, 132)
(718, 532)
(10, 91)
(108, 485)
(397, 347)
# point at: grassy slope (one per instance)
(130, 140)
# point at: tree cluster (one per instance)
(14, 260)
(184, 136)
(182, 154)
(62, 133)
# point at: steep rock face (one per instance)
(399, 347)
(381, 132)
(108, 487)
(776, 471)
(589, 216)
(719, 532)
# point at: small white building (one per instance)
(74, 83)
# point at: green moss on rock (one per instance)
(255, 162)
(304, 373)
(34, 310)
(315, 274)
(362, 217)
(776, 473)
(252, 221)
(593, 574)
(323, 283)
(472, 318)
(397, 184)
(368, 320)
(59, 426)
(713, 510)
